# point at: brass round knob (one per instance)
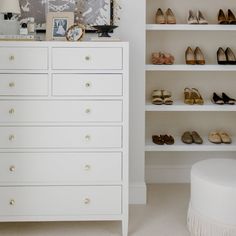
(11, 137)
(12, 202)
(11, 111)
(87, 201)
(87, 167)
(12, 168)
(11, 84)
(12, 58)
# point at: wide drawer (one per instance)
(87, 85)
(23, 84)
(60, 137)
(60, 111)
(87, 58)
(59, 168)
(61, 201)
(23, 58)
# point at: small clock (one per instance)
(75, 32)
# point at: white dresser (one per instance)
(64, 131)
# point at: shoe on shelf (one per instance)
(197, 138)
(228, 100)
(157, 140)
(192, 19)
(217, 99)
(190, 57)
(222, 20)
(200, 18)
(159, 58)
(197, 97)
(170, 17)
(168, 139)
(157, 97)
(199, 57)
(187, 138)
(160, 17)
(231, 59)
(188, 98)
(225, 138)
(231, 17)
(221, 56)
(214, 137)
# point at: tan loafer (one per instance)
(187, 138)
(225, 138)
(197, 138)
(214, 137)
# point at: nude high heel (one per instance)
(222, 18)
(189, 57)
(199, 57)
(170, 17)
(201, 19)
(192, 19)
(160, 18)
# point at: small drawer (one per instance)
(23, 84)
(60, 200)
(60, 111)
(87, 58)
(60, 168)
(23, 58)
(60, 137)
(87, 85)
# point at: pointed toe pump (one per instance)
(217, 99)
(200, 18)
(160, 18)
(231, 18)
(228, 100)
(221, 57)
(231, 59)
(170, 17)
(199, 57)
(192, 19)
(189, 57)
(222, 20)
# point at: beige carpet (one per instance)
(164, 215)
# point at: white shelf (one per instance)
(186, 27)
(180, 106)
(150, 67)
(179, 146)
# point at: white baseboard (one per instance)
(137, 193)
(168, 174)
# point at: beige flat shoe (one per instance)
(225, 138)
(214, 137)
(190, 57)
(197, 138)
(192, 19)
(170, 17)
(160, 18)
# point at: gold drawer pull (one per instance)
(87, 167)
(12, 58)
(11, 137)
(12, 202)
(12, 168)
(87, 58)
(88, 85)
(87, 137)
(88, 111)
(11, 111)
(87, 201)
(11, 84)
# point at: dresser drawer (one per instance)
(63, 200)
(87, 58)
(23, 84)
(60, 111)
(23, 58)
(87, 85)
(60, 168)
(60, 137)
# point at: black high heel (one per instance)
(217, 99)
(228, 100)
(231, 59)
(221, 57)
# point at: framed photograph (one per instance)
(75, 32)
(94, 12)
(57, 25)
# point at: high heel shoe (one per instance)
(170, 17)
(231, 59)
(200, 18)
(199, 57)
(221, 57)
(228, 100)
(190, 57)
(222, 18)
(231, 17)
(197, 97)
(188, 98)
(217, 99)
(192, 19)
(160, 18)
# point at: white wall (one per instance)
(131, 28)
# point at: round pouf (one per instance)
(212, 208)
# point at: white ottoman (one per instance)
(212, 208)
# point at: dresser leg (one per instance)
(125, 227)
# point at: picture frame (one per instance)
(75, 32)
(57, 25)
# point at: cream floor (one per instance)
(164, 215)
